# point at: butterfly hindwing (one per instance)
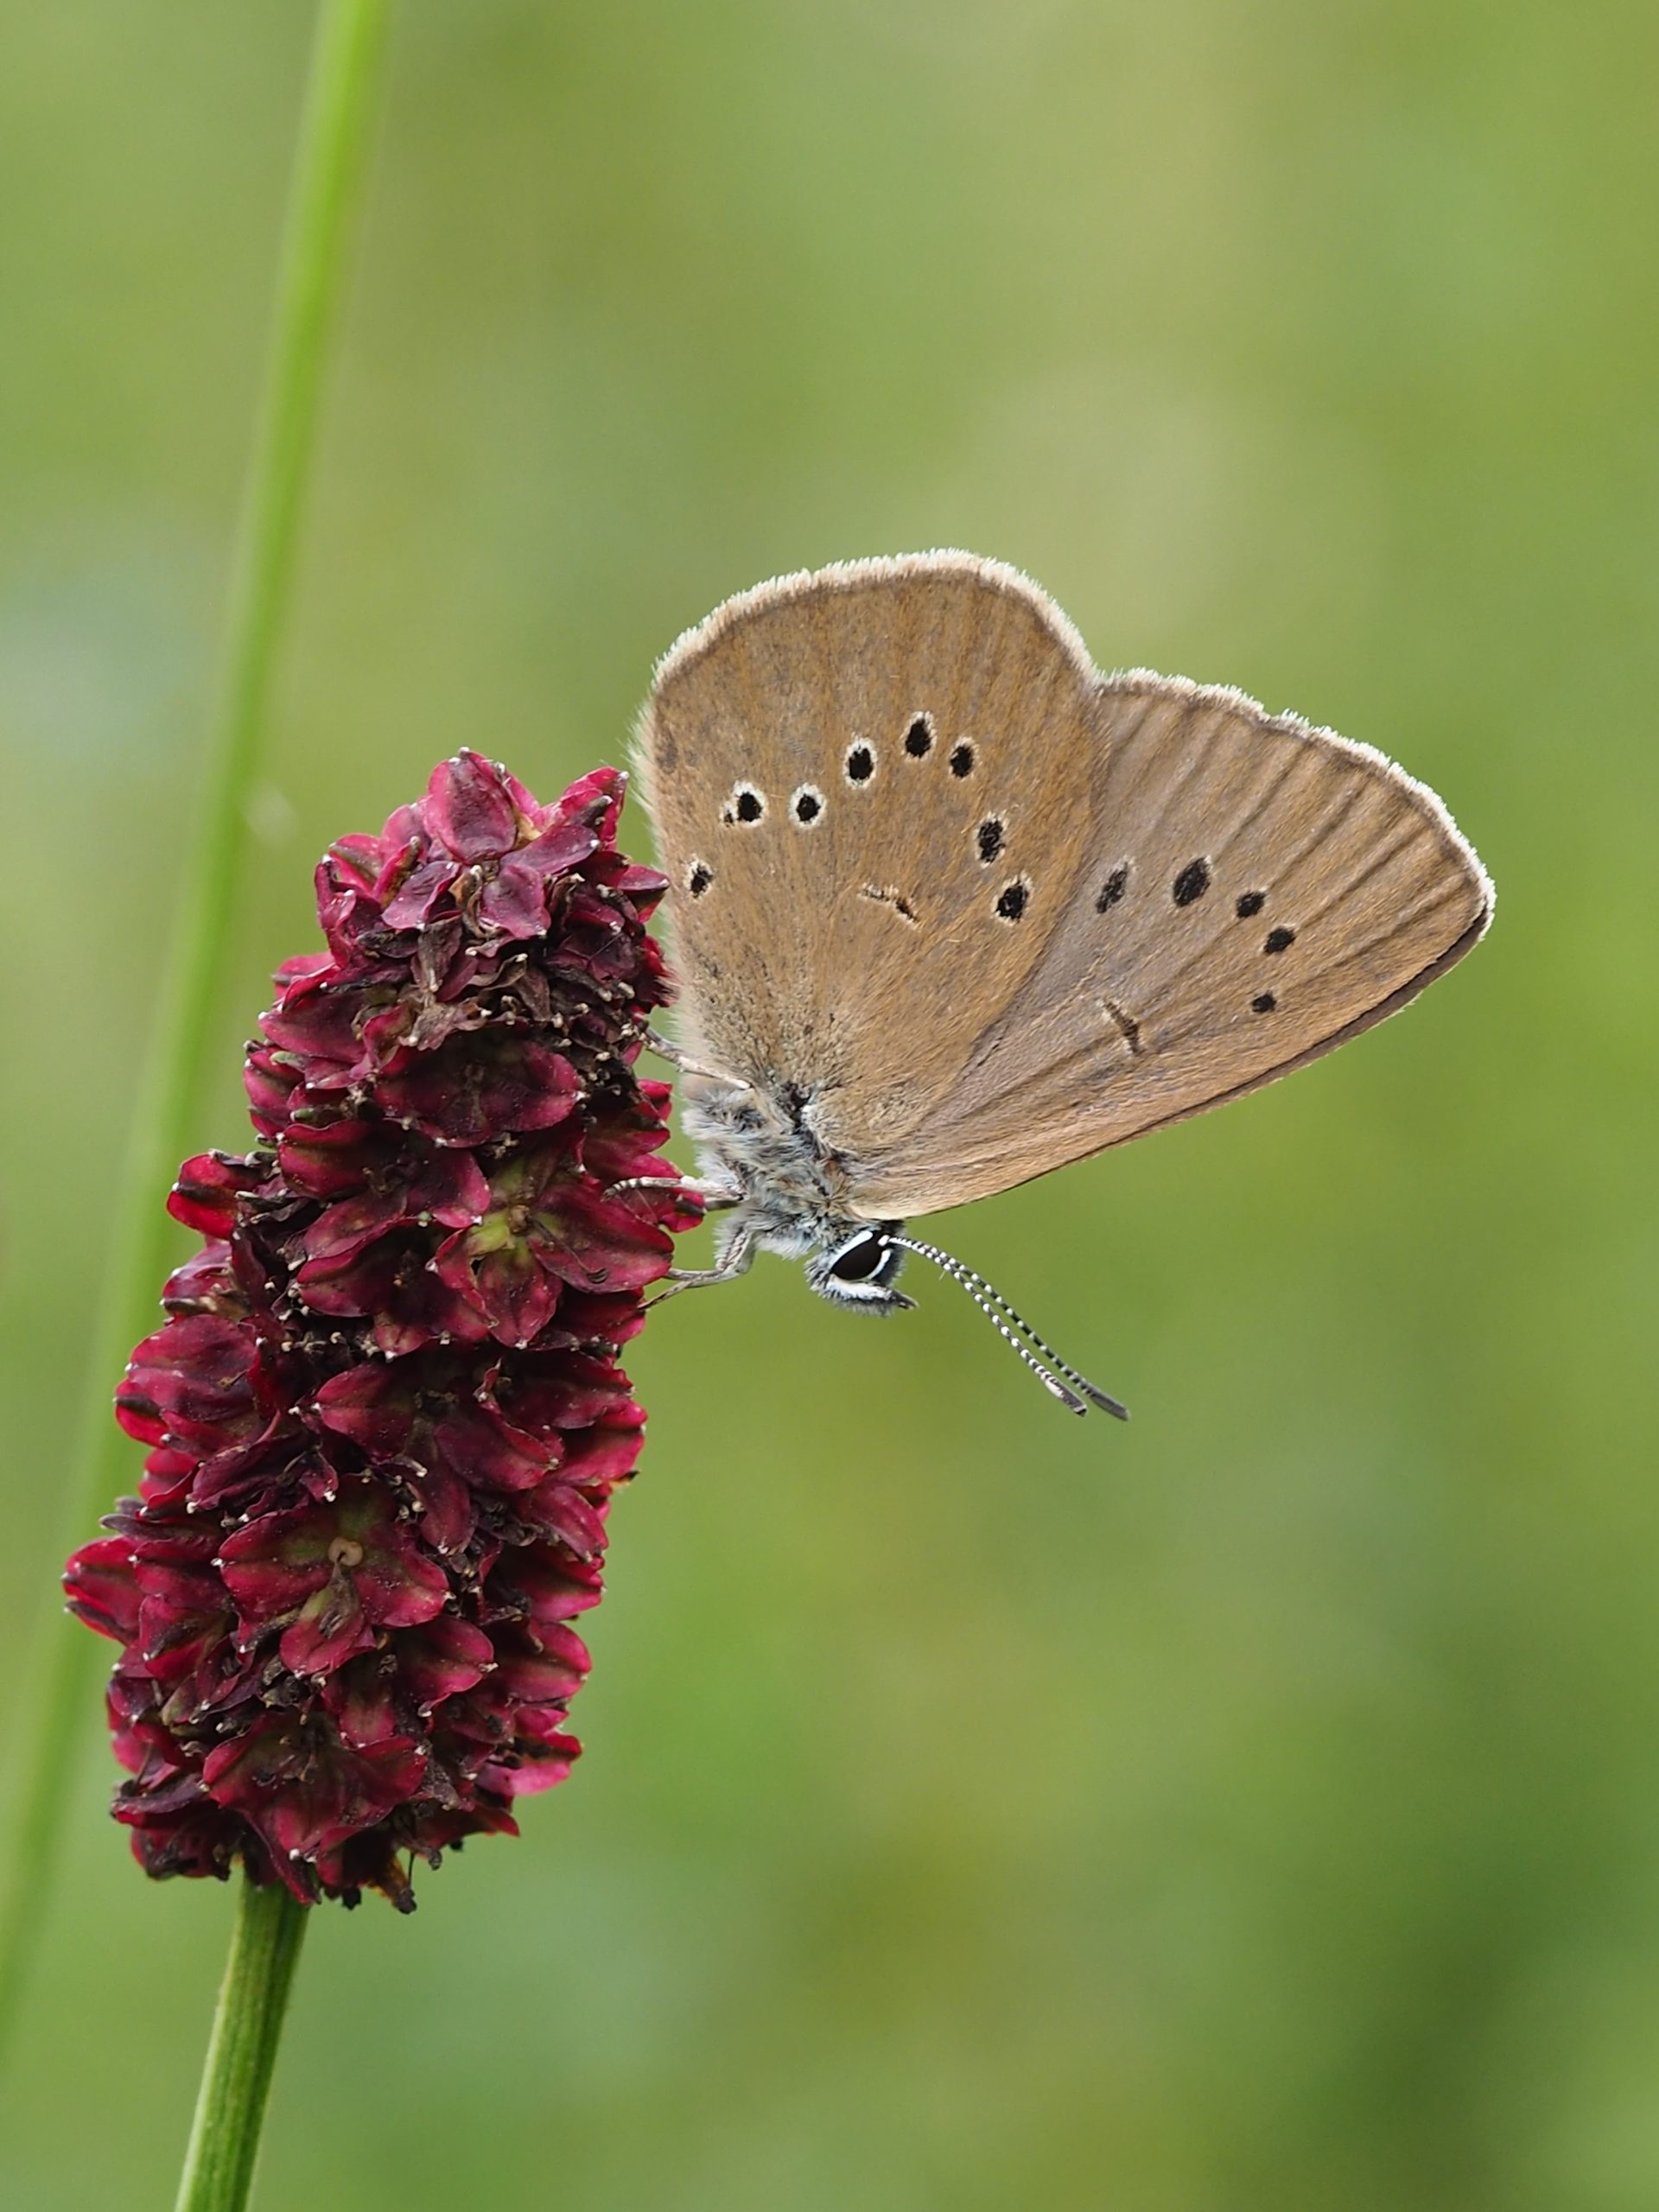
(853, 776)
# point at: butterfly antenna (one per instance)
(992, 1304)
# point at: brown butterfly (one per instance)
(950, 908)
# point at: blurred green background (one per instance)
(1255, 1807)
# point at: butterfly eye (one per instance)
(868, 1258)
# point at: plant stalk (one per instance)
(334, 130)
(242, 2050)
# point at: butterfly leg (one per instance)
(716, 1197)
(666, 1049)
(737, 1259)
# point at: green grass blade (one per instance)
(166, 1126)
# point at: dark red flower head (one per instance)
(385, 1413)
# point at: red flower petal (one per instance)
(539, 1762)
(514, 901)
(441, 1659)
(473, 1089)
(557, 1509)
(469, 806)
(205, 1194)
(548, 1671)
(303, 1788)
(362, 1698)
(419, 893)
(478, 1445)
(331, 1628)
(100, 1588)
(543, 1584)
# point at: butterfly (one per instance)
(950, 908)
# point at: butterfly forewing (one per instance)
(872, 792)
(1255, 892)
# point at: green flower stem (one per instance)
(247, 2026)
(166, 1118)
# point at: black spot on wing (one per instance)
(1114, 887)
(1192, 883)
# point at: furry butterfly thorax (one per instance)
(950, 908)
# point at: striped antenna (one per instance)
(992, 1304)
